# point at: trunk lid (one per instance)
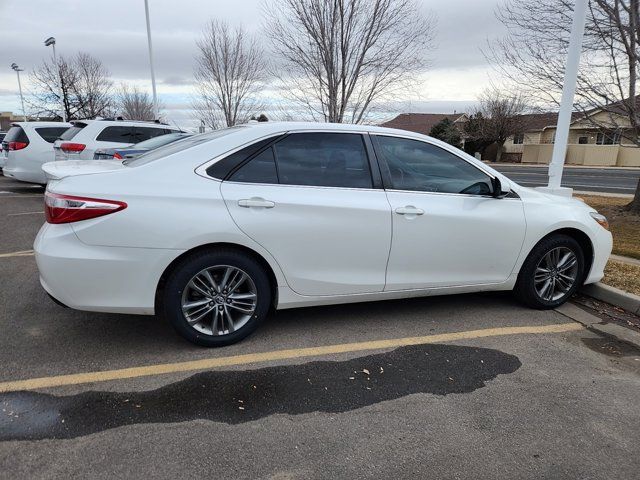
(72, 168)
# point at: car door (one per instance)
(448, 229)
(310, 200)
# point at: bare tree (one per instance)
(85, 83)
(533, 53)
(230, 72)
(498, 117)
(134, 104)
(338, 58)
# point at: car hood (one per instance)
(72, 168)
(528, 193)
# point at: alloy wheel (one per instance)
(556, 273)
(219, 300)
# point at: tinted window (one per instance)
(323, 159)
(145, 133)
(119, 134)
(69, 133)
(51, 134)
(223, 167)
(420, 166)
(16, 134)
(260, 169)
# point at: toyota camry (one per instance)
(213, 231)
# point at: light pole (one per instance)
(566, 103)
(153, 75)
(17, 69)
(51, 41)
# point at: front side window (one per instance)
(51, 134)
(323, 159)
(419, 166)
(117, 134)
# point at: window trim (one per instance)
(386, 173)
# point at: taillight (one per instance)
(17, 145)
(67, 208)
(72, 147)
(117, 156)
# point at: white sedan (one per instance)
(212, 231)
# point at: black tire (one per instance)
(525, 289)
(184, 272)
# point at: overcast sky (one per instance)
(114, 31)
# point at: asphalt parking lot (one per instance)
(472, 386)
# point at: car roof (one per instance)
(40, 124)
(126, 123)
(317, 126)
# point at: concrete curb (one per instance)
(614, 296)
(595, 324)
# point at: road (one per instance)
(607, 180)
(471, 386)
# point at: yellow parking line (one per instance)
(23, 253)
(209, 363)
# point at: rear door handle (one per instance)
(409, 210)
(256, 202)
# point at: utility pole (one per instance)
(17, 69)
(566, 103)
(51, 41)
(153, 75)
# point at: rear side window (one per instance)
(145, 133)
(51, 134)
(261, 169)
(323, 159)
(69, 133)
(117, 134)
(16, 134)
(179, 146)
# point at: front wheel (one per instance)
(551, 273)
(216, 298)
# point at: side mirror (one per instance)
(499, 190)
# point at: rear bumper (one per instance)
(96, 278)
(24, 175)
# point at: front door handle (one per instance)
(409, 210)
(256, 202)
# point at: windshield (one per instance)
(179, 146)
(156, 142)
(72, 131)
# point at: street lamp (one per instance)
(153, 75)
(566, 102)
(17, 69)
(51, 41)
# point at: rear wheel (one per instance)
(216, 298)
(552, 272)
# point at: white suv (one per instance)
(86, 136)
(27, 146)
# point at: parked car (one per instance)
(133, 151)
(212, 231)
(84, 137)
(27, 146)
(2, 156)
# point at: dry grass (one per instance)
(625, 226)
(623, 276)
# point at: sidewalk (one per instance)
(627, 260)
(544, 165)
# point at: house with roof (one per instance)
(597, 137)
(424, 122)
